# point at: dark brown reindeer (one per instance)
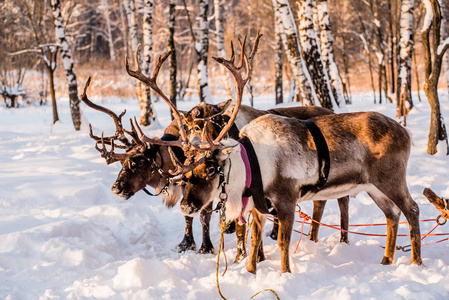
(368, 152)
(146, 165)
(217, 116)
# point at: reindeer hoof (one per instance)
(251, 269)
(274, 235)
(206, 249)
(344, 239)
(186, 244)
(387, 261)
(313, 237)
(416, 262)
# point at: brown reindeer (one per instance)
(367, 152)
(217, 116)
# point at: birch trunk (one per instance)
(67, 61)
(404, 103)
(444, 35)
(432, 70)
(327, 52)
(218, 7)
(171, 47)
(202, 48)
(278, 59)
(312, 55)
(293, 50)
(107, 17)
(147, 112)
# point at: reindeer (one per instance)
(367, 152)
(217, 115)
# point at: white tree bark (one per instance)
(67, 61)
(218, 7)
(147, 112)
(107, 16)
(278, 88)
(293, 52)
(312, 55)
(327, 52)
(405, 57)
(444, 35)
(202, 47)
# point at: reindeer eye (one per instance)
(211, 171)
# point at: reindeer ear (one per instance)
(227, 147)
(223, 106)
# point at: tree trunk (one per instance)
(415, 68)
(147, 112)
(432, 70)
(171, 47)
(327, 51)
(404, 99)
(218, 7)
(67, 61)
(312, 55)
(293, 51)
(53, 94)
(278, 60)
(202, 49)
(107, 16)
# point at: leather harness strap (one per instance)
(322, 153)
(254, 185)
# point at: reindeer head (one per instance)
(142, 163)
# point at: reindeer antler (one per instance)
(151, 82)
(239, 80)
(110, 156)
(119, 134)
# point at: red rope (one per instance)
(306, 217)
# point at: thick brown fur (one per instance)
(368, 152)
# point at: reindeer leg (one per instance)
(206, 245)
(256, 238)
(230, 228)
(411, 212)
(240, 232)
(318, 209)
(343, 203)
(392, 213)
(286, 220)
(275, 230)
(188, 242)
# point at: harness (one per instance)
(322, 154)
(253, 182)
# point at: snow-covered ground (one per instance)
(63, 235)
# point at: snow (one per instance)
(64, 235)
(428, 17)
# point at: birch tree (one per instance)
(404, 103)
(147, 112)
(218, 8)
(278, 58)
(202, 48)
(143, 94)
(327, 52)
(293, 50)
(432, 70)
(171, 48)
(67, 61)
(312, 55)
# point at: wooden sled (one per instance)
(440, 203)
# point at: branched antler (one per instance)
(151, 82)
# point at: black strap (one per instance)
(233, 131)
(322, 153)
(256, 188)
